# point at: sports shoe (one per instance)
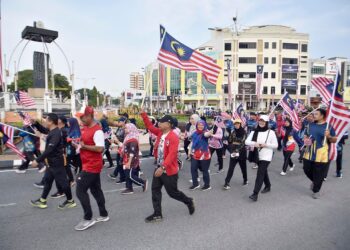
(224, 157)
(220, 171)
(265, 190)
(84, 224)
(127, 191)
(57, 195)
(316, 195)
(120, 182)
(43, 169)
(112, 176)
(194, 187)
(206, 188)
(154, 218)
(145, 186)
(191, 207)
(245, 183)
(102, 218)
(21, 171)
(198, 179)
(339, 175)
(292, 168)
(67, 204)
(39, 185)
(226, 187)
(254, 197)
(283, 173)
(40, 203)
(325, 179)
(255, 166)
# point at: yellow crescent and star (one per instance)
(178, 49)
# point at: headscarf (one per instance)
(239, 132)
(288, 130)
(218, 123)
(133, 132)
(196, 118)
(259, 129)
(199, 141)
(74, 129)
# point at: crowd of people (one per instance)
(75, 147)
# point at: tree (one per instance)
(24, 80)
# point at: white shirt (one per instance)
(161, 149)
(265, 154)
(99, 138)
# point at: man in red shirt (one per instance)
(166, 172)
(91, 147)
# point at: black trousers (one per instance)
(170, 184)
(58, 174)
(262, 176)
(339, 161)
(316, 172)
(90, 181)
(151, 146)
(287, 160)
(29, 157)
(231, 169)
(186, 144)
(279, 140)
(108, 155)
(119, 169)
(75, 162)
(219, 155)
(224, 149)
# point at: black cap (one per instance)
(167, 118)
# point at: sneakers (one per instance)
(112, 176)
(254, 197)
(120, 182)
(206, 188)
(145, 186)
(339, 175)
(43, 169)
(283, 173)
(265, 190)
(21, 171)
(226, 187)
(292, 168)
(220, 171)
(193, 187)
(39, 185)
(154, 218)
(40, 203)
(198, 179)
(255, 166)
(191, 207)
(325, 179)
(102, 218)
(57, 195)
(84, 224)
(245, 183)
(67, 204)
(127, 191)
(316, 195)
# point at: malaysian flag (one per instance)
(338, 116)
(27, 120)
(239, 114)
(259, 71)
(162, 79)
(22, 98)
(325, 87)
(175, 54)
(288, 106)
(7, 139)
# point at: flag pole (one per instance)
(310, 113)
(19, 129)
(274, 108)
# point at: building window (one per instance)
(289, 75)
(266, 60)
(302, 90)
(247, 60)
(273, 90)
(305, 57)
(274, 45)
(319, 70)
(303, 71)
(302, 76)
(265, 90)
(175, 85)
(266, 75)
(247, 45)
(290, 46)
(193, 87)
(304, 48)
(273, 60)
(290, 90)
(286, 60)
(246, 75)
(303, 61)
(228, 46)
(273, 75)
(266, 45)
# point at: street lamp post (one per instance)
(85, 80)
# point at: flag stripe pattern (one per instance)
(8, 132)
(26, 118)
(239, 114)
(288, 106)
(24, 99)
(323, 86)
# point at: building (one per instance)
(136, 81)
(131, 97)
(281, 50)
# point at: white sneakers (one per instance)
(292, 168)
(283, 173)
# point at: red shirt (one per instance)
(91, 161)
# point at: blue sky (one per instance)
(109, 39)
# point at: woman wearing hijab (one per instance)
(264, 141)
(193, 120)
(200, 156)
(131, 160)
(108, 136)
(236, 144)
(73, 157)
(215, 141)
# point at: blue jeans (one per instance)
(132, 176)
(203, 165)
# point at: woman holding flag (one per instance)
(215, 141)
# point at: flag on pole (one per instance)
(325, 87)
(7, 139)
(27, 120)
(176, 54)
(22, 98)
(338, 116)
(239, 114)
(288, 106)
(162, 32)
(259, 71)
(162, 79)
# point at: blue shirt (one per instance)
(318, 151)
(29, 142)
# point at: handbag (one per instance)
(253, 155)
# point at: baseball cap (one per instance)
(264, 118)
(87, 111)
(167, 118)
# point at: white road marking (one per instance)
(8, 205)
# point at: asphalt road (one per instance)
(285, 218)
